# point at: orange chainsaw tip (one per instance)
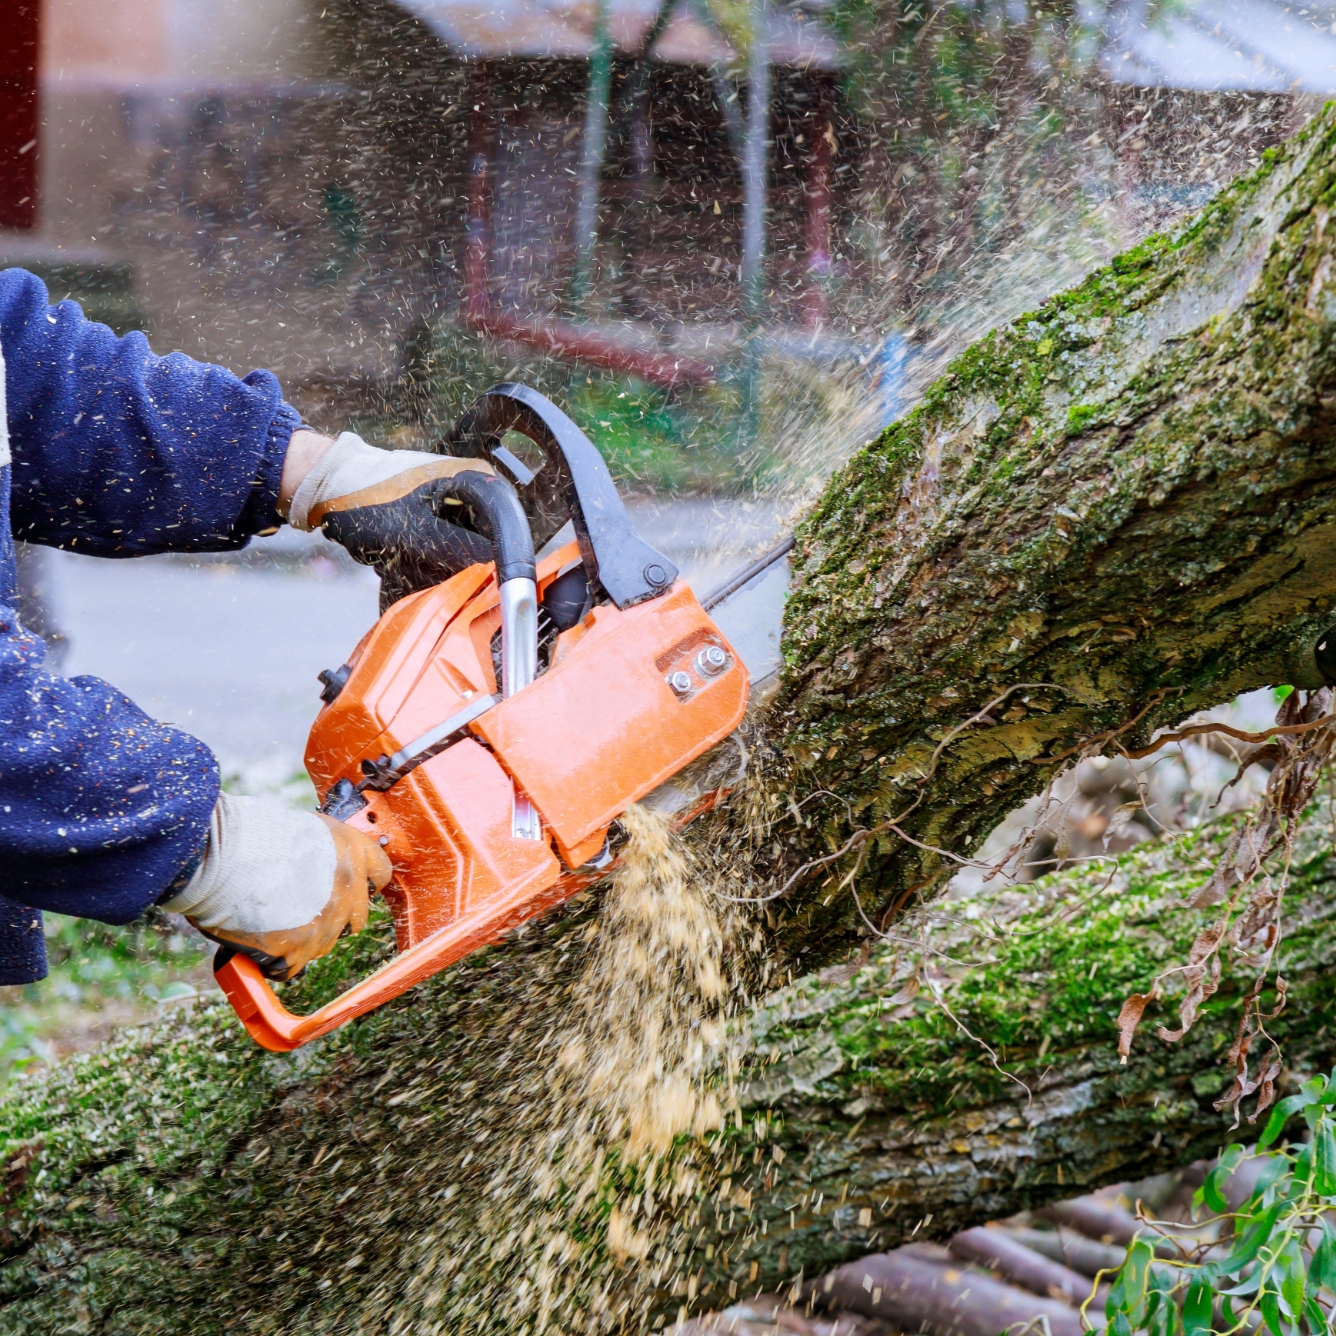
(488, 731)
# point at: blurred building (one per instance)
(291, 183)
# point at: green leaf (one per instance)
(1129, 1288)
(1271, 1315)
(1251, 1242)
(1317, 1319)
(1211, 1191)
(1118, 1323)
(1291, 1278)
(1245, 1287)
(1281, 1115)
(1162, 1312)
(1322, 1269)
(1197, 1309)
(1324, 1160)
(1303, 1172)
(1276, 1167)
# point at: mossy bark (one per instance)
(180, 1181)
(1129, 496)
(890, 1121)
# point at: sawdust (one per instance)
(529, 1142)
(651, 999)
(592, 1122)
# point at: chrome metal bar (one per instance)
(475, 709)
(519, 635)
(519, 667)
(389, 770)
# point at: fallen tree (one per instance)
(1112, 513)
(180, 1180)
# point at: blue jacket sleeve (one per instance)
(100, 806)
(118, 452)
(115, 452)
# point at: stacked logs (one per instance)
(1021, 1275)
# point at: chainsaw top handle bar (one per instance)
(500, 518)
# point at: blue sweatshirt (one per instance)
(113, 451)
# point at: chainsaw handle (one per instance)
(274, 1027)
(502, 516)
(504, 522)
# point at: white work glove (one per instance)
(280, 885)
(385, 507)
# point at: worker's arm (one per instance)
(119, 452)
(114, 451)
(101, 807)
(104, 811)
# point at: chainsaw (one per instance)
(489, 731)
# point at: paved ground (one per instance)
(229, 648)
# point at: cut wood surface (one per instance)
(1127, 498)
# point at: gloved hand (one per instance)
(280, 885)
(384, 507)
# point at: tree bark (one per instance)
(1127, 496)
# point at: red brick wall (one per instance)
(18, 112)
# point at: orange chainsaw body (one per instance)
(623, 705)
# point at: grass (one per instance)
(100, 978)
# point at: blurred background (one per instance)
(734, 238)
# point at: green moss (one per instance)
(1062, 507)
(99, 976)
(866, 1083)
(1080, 416)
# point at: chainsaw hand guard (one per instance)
(573, 483)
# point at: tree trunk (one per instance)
(1120, 509)
(1128, 497)
(182, 1181)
